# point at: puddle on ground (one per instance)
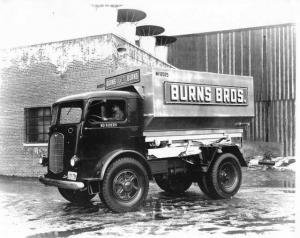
(163, 214)
(266, 206)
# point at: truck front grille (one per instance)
(56, 153)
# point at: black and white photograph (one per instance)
(147, 118)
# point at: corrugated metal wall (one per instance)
(266, 53)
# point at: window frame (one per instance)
(109, 99)
(32, 128)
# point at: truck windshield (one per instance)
(67, 113)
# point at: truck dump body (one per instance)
(188, 100)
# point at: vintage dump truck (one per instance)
(174, 126)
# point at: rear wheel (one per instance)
(174, 184)
(76, 196)
(203, 185)
(125, 185)
(225, 176)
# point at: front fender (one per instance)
(110, 157)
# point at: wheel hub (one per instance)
(126, 185)
(228, 176)
(225, 176)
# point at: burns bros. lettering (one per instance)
(190, 93)
(229, 95)
(204, 94)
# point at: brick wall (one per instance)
(38, 75)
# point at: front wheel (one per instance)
(76, 196)
(225, 176)
(125, 185)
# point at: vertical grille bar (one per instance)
(56, 153)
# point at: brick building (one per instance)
(33, 77)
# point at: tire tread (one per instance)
(104, 194)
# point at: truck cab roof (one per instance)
(97, 94)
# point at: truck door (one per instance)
(106, 127)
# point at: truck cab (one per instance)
(83, 127)
(113, 142)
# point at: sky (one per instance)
(27, 22)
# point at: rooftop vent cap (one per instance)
(149, 30)
(164, 40)
(127, 19)
(147, 35)
(161, 46)
(130, 15)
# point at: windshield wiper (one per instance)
(69, 110)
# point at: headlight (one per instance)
(74, 160)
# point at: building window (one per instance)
(37, 122)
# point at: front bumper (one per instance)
(62, 183)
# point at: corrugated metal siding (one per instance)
(274, 121)
(266, 53)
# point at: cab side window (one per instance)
(115, 110)
(106, 111)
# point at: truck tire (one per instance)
(203, 185)
(174, 184)
(224, 177)
(101, 196)
(76, 196)
(125, 185)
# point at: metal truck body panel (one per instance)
(181, 99)
(195, 94)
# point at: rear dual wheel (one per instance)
(175, 184)
(203, 185)
(223, 179)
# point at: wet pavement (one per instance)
(265, 205)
